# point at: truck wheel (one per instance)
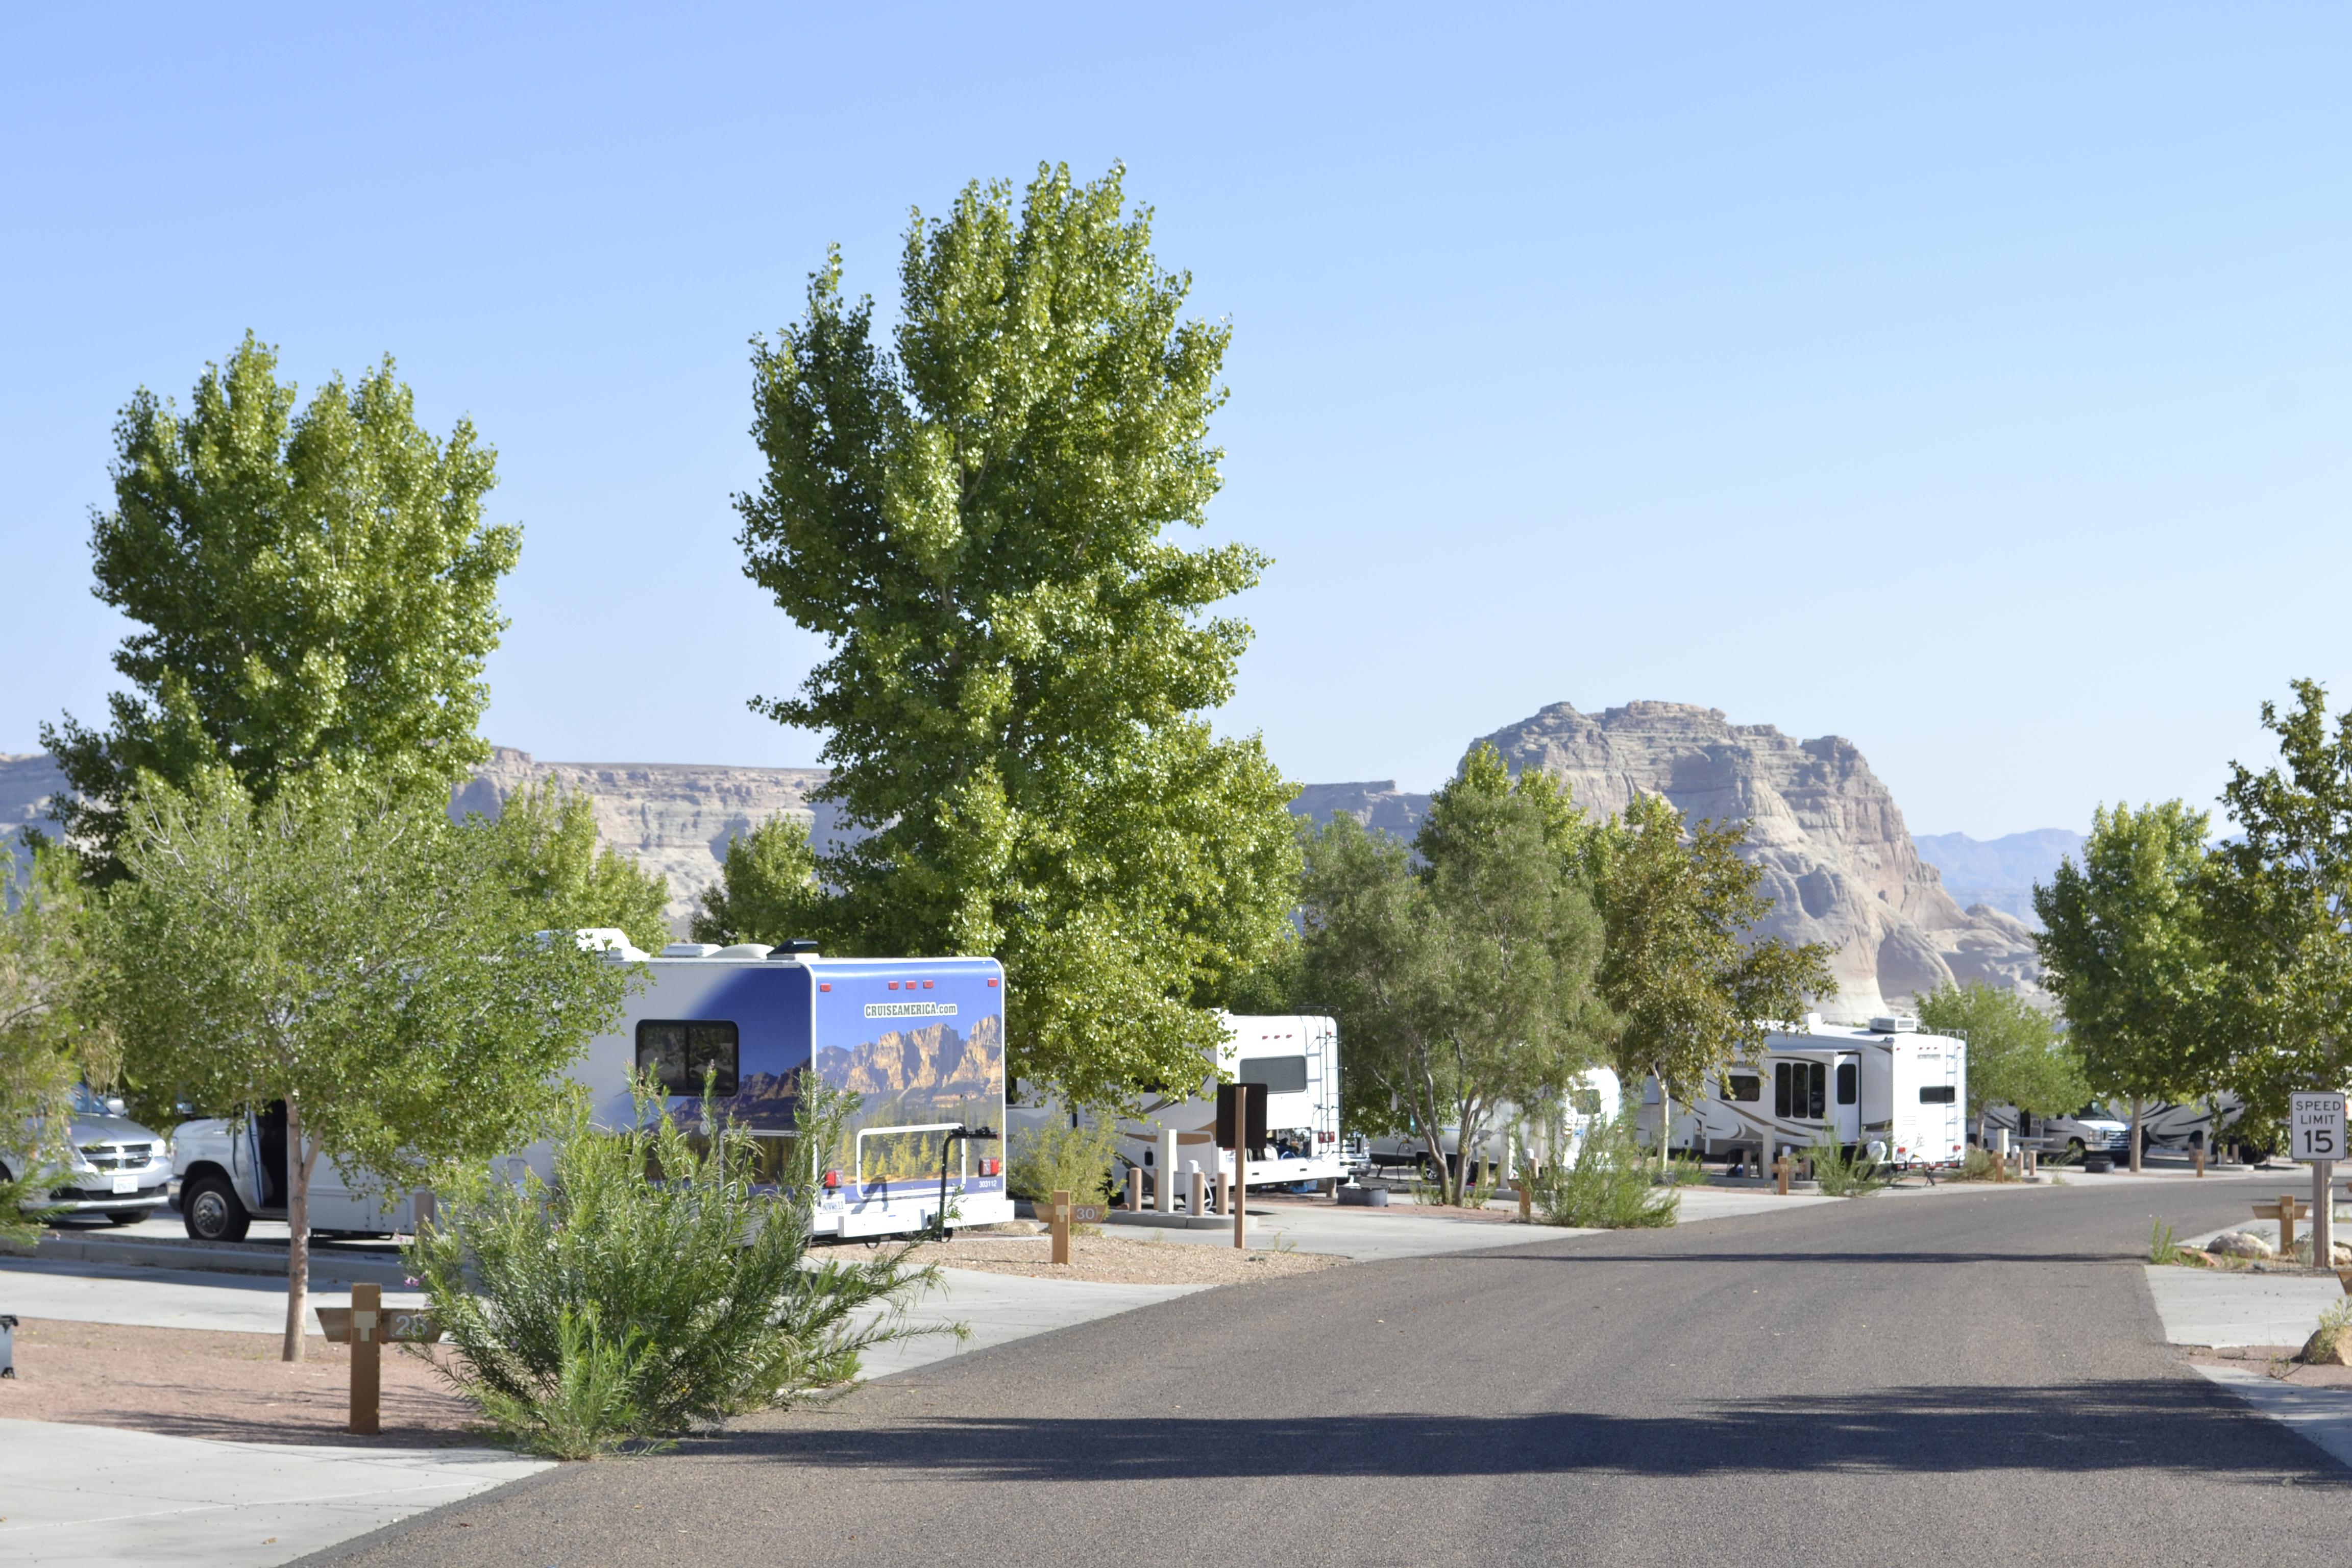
(210, 1208)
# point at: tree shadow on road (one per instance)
(2148, 1425)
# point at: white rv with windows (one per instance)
(1885, 1089)
(1298, 1060)
(920, 1042)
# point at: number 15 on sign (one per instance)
(2316, 1124)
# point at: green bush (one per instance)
(1981, 1165)
(1610, 1188)
(1839, 1174)
(606, 1308)
(1060, 1158)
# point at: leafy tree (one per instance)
(977, 520)
(1466, 981)
(2123, 948)
(543, 844)
(312, 587)
(341, 948)
(2273, 901)
(767, 888)
(1691, 991)
(2016, 1053)
(49, 1039)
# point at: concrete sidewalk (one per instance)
(97, 1496)
(161, 1298)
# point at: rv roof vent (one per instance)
(743, 950)
(689, 950)
(795, 947)
(1894, 1024)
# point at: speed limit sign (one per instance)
(2316, 1124)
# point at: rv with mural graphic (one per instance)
(920, 1042)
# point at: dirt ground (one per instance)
(1121, 1260)
(196, 1383)
(2278, 1361)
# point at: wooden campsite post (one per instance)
(1134, 1189)
(1240, 1125)
(1781, 1172)
(1061, 1227)
(367, 1360)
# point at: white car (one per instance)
(111, 1165)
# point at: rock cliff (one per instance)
(676, 818)
(1839, 864)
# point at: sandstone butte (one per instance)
(1839, 863)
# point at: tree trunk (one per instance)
(297, 1230)
(2134, 1135)
(1665, 1126)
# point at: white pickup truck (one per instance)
(232, 1172)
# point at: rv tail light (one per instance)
(833, 1181)
(991, 1167)
(992, 983)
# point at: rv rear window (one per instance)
(1935, 1094)
(1743, 1085)
(1281, 1075)
(680, 1054)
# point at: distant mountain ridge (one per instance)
(935, 1060)
(2000, 872)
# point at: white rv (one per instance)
(1885, 1087)
(1298, 1060)
(920, 1040)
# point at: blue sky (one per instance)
(1971, 383)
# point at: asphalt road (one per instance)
(1974, 1378)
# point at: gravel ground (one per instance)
(199, 1382)
(1118, 1260)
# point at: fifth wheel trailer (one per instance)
(1885, 1089)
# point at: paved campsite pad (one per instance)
(1122, 1261)
(201, 1383)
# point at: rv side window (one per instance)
(1935, 1094)
(1849, 1082)
(1800, 1089)
(680, 1054)
(1281, 1075)
(1743, 1085)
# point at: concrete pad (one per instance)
(95, 1497)
(999, 1308)
(162, 1298)
(2207, 1308)
(2322, 1416)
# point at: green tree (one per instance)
(2123, 950)
(343, 949)
(767, 888)
(1464, 983)
(1691, 990)
(49, 1035)
(2273, 901)
(543, 844)
(977, 520)
(310, 587)
(2016, 1053)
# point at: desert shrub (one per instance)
(1982, 1165)
(1841, 1174)
(1685, 1171)
(1060, 1158)
(2162, 1248)
(604, 1308)
(1609, 1187)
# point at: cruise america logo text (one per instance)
(911, 1010)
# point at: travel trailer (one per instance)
(1298, 1060)
(920, 1040)
(1885, 1089)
